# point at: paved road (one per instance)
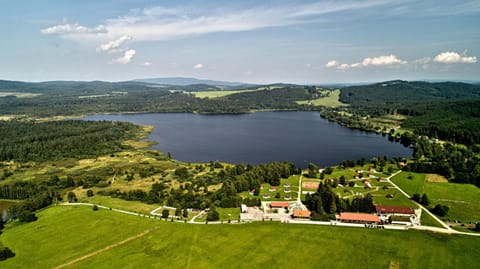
(446, 230)
(299, 200)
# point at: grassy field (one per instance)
(67, 233)
(410, 182)
(118, 203)
(265, 190)
(20, 94)
(216, 94)
(330, 101)
(462, 199)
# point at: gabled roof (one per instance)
(297, 213)
(279, 204)
(394, 209)
(348, 216)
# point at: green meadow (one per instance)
(105, 239)
(217, 94)
(330, 101)
(462, 199)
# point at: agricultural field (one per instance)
(133, 242)
(217, 94)
(410, 182)
(133, 206)
(330, 101)
(462, 199)
(19, 94)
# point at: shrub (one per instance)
(89, 193)
(6, 253)
(27, 216)
(440, 210)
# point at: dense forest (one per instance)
(456, 121)
(403, 97)
(448, 110)
(23, 141)
(75, 98)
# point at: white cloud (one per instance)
(198, 66)
(374, 61)
(114, 45)
(382, 60)
(127, 57)
(147, 64)
(453, 57)
(67, 29)
(160, 23)
(331, 64)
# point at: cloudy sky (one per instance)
(249, 41)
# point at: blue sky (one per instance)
(249, 41)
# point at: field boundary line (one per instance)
(107, 248)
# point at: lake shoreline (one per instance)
(275, 135)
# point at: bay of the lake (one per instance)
(262, 137)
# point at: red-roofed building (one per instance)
(297, 213)
(279, 204)
(358, 218)
(394, 210)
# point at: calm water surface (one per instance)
(4, 205)
(299, 137)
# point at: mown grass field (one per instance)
(330, 101)
(217, 94)
(462, 199)
(65, 233)
(135, 206)
(410, 182)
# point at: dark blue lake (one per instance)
(298, 137)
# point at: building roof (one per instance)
(297, 213)
(394, 209)
(348, 216)
(279, 204)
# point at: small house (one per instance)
(302, 214)
(279, 204)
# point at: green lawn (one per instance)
(135, 206)
(412, 185)
(330, 101)
(229, 213)
(463, 200)
(65, 233)
(292, 180)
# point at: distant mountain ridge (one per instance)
(185, 81)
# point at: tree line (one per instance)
(24, 141)
(325, 203)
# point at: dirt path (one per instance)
(107, 248)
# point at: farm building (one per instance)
(358, 218)
(304, 214)
(394, 210)
(279, 204)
